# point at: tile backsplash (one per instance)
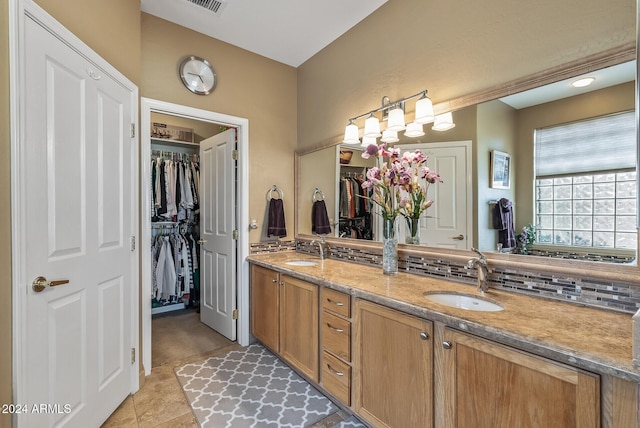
(603, 294)
(272, 247)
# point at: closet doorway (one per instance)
(223, 208)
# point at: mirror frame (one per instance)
(564, 267)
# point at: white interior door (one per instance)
(78, 167)
(217, 222)
(447, 222)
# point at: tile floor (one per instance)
(161, 402)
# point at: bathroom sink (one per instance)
(463, 301)
(301, 263)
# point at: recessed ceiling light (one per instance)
(583, 82)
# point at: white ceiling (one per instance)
(288, 31)
(614, 75)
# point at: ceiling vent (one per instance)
(214, 6)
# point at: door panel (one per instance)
(77, 180)
(445, 223)
(217, 222)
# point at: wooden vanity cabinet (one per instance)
(393, 364)
(299, 325)
(284, 317)
(264, 317)
(335, 339)
(488, 385)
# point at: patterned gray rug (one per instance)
(251, 387)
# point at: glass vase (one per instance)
(413, 231)
(389, 247)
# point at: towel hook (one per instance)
(316, 193)
(276, 189)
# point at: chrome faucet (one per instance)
(483, 269)
(322, 246)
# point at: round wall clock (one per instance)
(197, 75)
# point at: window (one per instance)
(586, 192)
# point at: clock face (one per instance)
(198, 75)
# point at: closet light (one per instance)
(372, 127)
(424, 110)
(389, 136)
(351, 134)
(443, 122)
(396, 119)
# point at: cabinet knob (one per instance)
(274, 280)
(281, 282)
(424, 335)
(447, 345)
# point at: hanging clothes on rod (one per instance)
(175, 263)
(175, 184)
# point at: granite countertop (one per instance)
(596, 340)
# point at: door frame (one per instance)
(148, 105)
(18, 12)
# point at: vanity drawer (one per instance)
(336, 336)
(336, 378)
(336, 302)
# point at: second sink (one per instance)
(463, 301)
(301, 263)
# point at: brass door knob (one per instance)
(40, 283)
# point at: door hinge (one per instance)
(133, 355)
(235, 234)
(234, 154)
(133, 130)
(133, 243)
(235, 314)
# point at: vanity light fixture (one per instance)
(581, 83)
(393, 112)
(367, 141)
(424, 110)
(443, 122)
(351, 133)
(372, 127)
(414, 129)
(396, 119)
(389, 136)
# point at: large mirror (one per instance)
(500, 126)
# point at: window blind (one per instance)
(590, 146)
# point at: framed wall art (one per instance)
(500, 169)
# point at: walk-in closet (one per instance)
(176, 193)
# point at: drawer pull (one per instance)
(333, 302)
(338, 330)
(337, 373)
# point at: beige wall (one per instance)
(111, 28)
(451, 48)
(249, 86)
(597, 103)
(496, 131)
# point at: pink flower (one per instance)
(371, 150)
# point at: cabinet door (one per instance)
(488, 385)
(394, 367)
(264, 306)
(299, 325)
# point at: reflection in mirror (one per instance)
(509, 125)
